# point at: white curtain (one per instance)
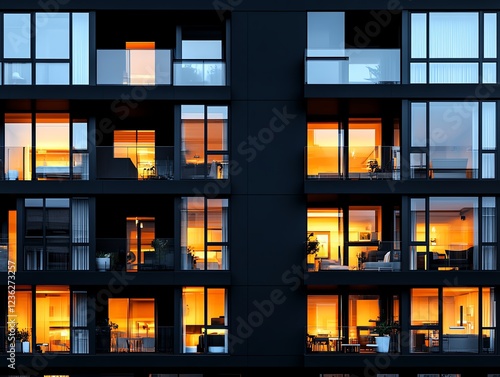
(453, 73)
(490, 35)
(418, 35)
(225, 232)
(79, 330)
(488, 138)
(453, 35)
(489, 225)
(80, 233)
(80, 52)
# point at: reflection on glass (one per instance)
(16, 35)
(52, 35)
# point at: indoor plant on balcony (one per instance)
(312, 247)
(103, 261)
(384, 329)
(164, 253)
(22, 340)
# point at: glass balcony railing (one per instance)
(112, 162)
(369, 255)
(156, 67)
(158, 339)
(199, 72)
(348, 339)
(353, 66)
(354, 162)
(134, 67)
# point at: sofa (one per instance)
(460, 343)
(388, 263)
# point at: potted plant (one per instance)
(191, 257)
(312, 247)
(164, 254)
(23, 339)
(103, 334)
(103, 261)
(383, 329)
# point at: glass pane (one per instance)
(217, 128)
(455, 222)
(418, 124)
(418, 73)
(52, 73)
(453, 35)
(79, 135)
(489, 307)
(193, 142)
(193, 314)
(112, 67)
(489, 220)
(52, 146)
(52, 317)
(323, 315)
(418, 35)
(34, 222)
(453, 73)
(17, 73)
(418, 220)
(80, 49)
(17, 36)
(489, 125)
(192, 230)
(489, 255)
(52, 35)
(18, 146)
(453, 140)
(325, 30)
(489, 73)
(23, 308)
(490, 35)
(488, 169)
(460, 320)
(424, 306)
(201, 49)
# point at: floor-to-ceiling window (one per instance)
(56, 234)
(453, 140)
(444, 233)
(204, 320)
(204, 233)
(446, 47)
(204, 142)
(60, 42)
(452, 320)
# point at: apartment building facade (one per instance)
(227, 188)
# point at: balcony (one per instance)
(353, 162)
(134, 67)
(112, 163)
(208, 72)
(353, 66)
(346, 339)
(157, 67)
(157, 339)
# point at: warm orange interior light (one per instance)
(17, 118)
(52, 118)
(140, 45)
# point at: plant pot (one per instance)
(382, 343)
(26, 347)
(103, 264)
(19, 346)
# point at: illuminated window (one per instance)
(204, 320)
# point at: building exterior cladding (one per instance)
(236, 187)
